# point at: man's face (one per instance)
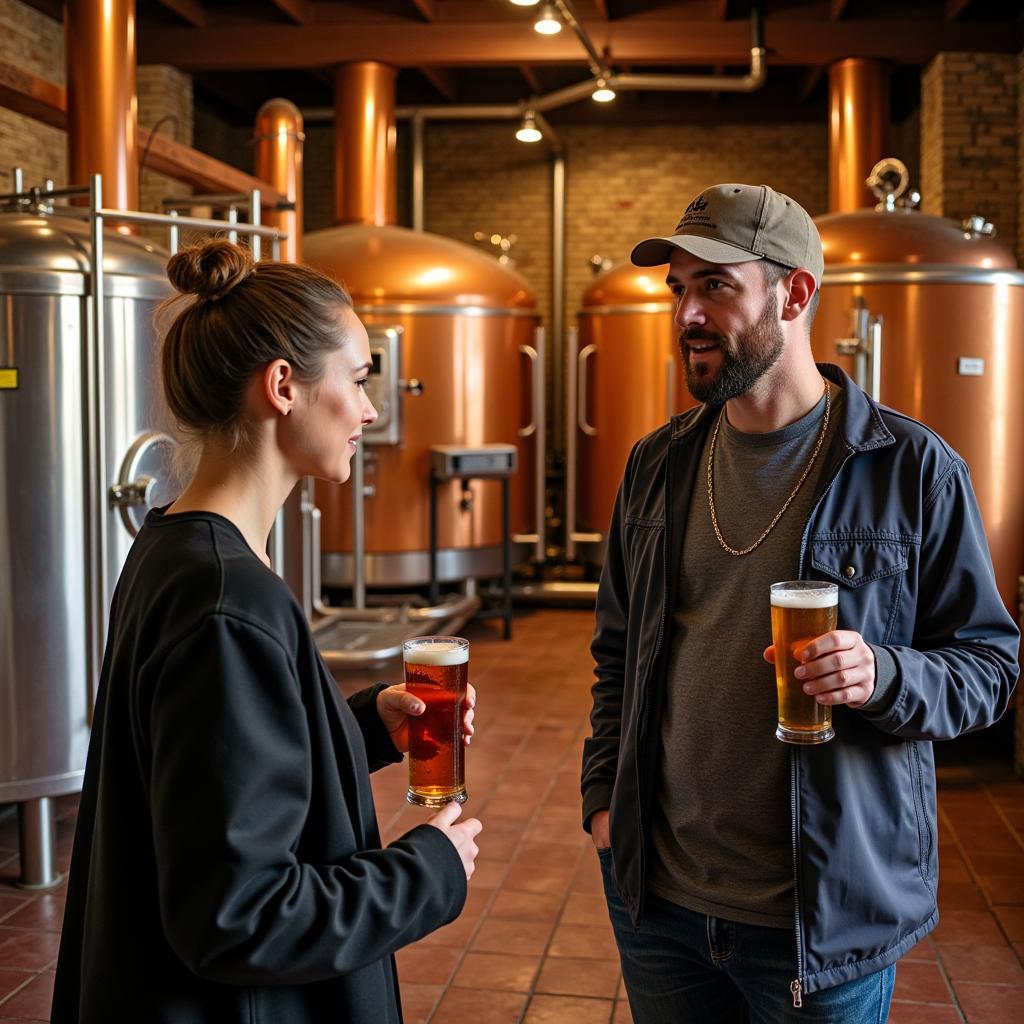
(729, 329)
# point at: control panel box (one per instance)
(384, 386)
(450, 462)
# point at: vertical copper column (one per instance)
(278, 161)
(99, 40)
(365, 190)
(858, 131)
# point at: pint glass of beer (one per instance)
(437, 671)
(801, 611)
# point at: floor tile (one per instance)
(525, 938)
(33, 1001)
(478, 1006)
(418, 1002)
(1012, 920)
(44, 913)
(924, 1013)
(427, 965)
(584, 908)
(503, 972)
(568, 1010)
(622, 1014)
(921, 983)
(592, 942)
(10, 980)
(513, 905)
(983, 963)
(988, 1004)
(574, 977)
(968, 927)
(29, 951)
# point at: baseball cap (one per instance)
(735, 223)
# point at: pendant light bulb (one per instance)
(528, 130)
(602, 92)
(526, 3)
(548, 23)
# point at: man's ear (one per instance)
(799, 288)
(279, 385)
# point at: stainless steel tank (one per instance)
(471, 376)
(930, 314)
(51, 391)
(625, 380)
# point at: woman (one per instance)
(227, 865)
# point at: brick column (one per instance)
(969, 130)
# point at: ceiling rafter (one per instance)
(190, 11)
(426, 8)
(531, 79)
(299, 11)
(837, 8)
(647, 42)
(443, 81)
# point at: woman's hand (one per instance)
(395, 705)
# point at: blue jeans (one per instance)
(683, 967)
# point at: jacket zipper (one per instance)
(796, 986)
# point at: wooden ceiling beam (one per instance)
(648, 42)
(837, 8)
(443, 81)
(427, 9)
(32, 96)
(531, 79)
(190, 11)
(299, 11)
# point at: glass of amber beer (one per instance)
(437, 671)
(801, 611)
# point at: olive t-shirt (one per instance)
(721, 826)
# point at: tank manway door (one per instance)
(146, 480)
(385, 385)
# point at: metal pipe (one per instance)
(539, 446)
(571, 445)
(417, 170)
(37, 844)
(358, 530)
(364, 144)
(96, 446)
(597, 65)
(858, 92)
(277, 159)
(558, 228)
(254, 217)
(102, 116)
(197, 223)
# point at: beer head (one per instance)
(444, 650)
(812, 595)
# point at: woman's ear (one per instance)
(799, 288)
(279, 385)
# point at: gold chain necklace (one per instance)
(799, 483)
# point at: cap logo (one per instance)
(694, 214)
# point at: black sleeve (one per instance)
(229, 794)
(380, 750)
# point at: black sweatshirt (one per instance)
(227, 863)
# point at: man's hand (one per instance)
(599, 830)
(836, 668)
(395, 705)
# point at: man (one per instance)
(746, 876)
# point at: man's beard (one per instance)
(757, 350)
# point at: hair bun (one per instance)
(209, 270)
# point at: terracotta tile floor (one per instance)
(533, 944)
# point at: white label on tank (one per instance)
(967, 366)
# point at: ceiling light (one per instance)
(548, 23)
(602, 93)
(528, 130)
(526, 3)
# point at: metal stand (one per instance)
(37, 845)
(493, 461)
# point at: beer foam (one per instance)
(437, 654)
(805, 598)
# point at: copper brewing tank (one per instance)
(626, 380)
(951, 304)
(467, 328)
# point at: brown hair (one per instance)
(245, 315)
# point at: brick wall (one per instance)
(32, 41)
(970, 123)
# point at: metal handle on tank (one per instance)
(875, 358)
(536, 430)
(571, 449)
(531, 428)
(581, 391)
(865, 345)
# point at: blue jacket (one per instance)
(897, 505)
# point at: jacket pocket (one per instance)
(870, 571)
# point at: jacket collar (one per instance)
(862, 428)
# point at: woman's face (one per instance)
(334, 410)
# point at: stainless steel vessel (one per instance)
(930, 315)
(625, 380)
(48, 385)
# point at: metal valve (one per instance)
(412, 386)
(137, 492)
